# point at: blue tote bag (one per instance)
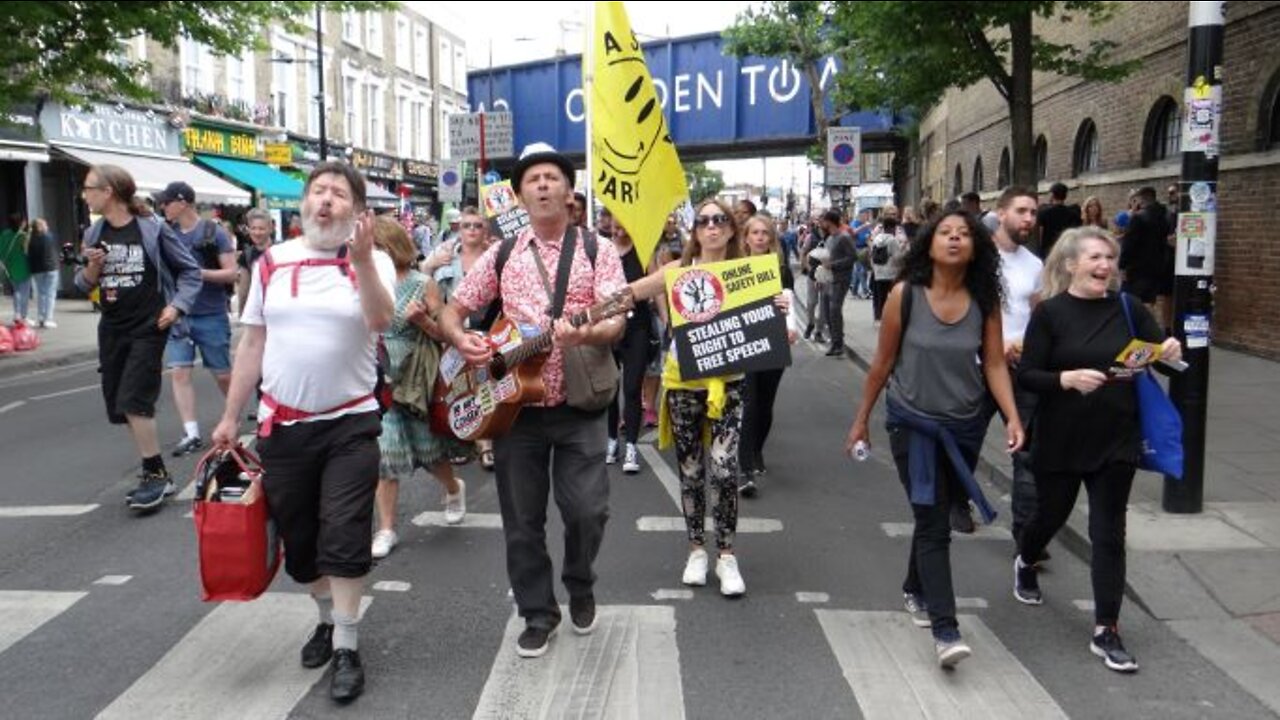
(1161, 423)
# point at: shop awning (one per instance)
(153, 173)
(379, 198)
(23, 152)
(279, 190)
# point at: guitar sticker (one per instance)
(451, 363)
(465, 417)
(505, 389)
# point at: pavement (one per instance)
(1213, 577)
(74, 340)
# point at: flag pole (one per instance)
(588, 84)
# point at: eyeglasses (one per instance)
(718, 219)
(471, 226)
(94, 187)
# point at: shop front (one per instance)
(383, 173)
(420, 187)
(22, 152)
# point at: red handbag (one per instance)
(25, 337)
(6, 340)
(239, 548)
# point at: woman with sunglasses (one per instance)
(691, 405)
(940, 348)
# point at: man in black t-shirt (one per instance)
(148, 282)
(1056, 217)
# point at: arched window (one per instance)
(1004, 171)
(1042, 158)
(977, 176)
(1163, 137)
(958, 185)
(1084, 157)
(1269, 115)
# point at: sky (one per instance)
(524, 31)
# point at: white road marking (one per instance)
(1084, 605)
(23, 612)
(12, 406)
(813, 597)
(61, 393)
(650, 523)
(650, 437)
(113, 580)
(892, 669)
(240, 661)
(472, 520)
(964, 603)
(984, 532)
(17, 511)
(666, 476)
(627, 669)
(667, 594)
(392, 586)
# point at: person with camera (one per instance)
(207, 328)
(148, 281)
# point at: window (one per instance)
(1004, 172)
(350, 112)
(957, 186)
(283, 80)
(1268, 134)
(422, 130)
(404, 44)
(977, 175)
(404, 127)
(1163, 137)
(446, 63)
(377, 138)
(373, 34)
(1273, 128)
(421, 52)
(240, 79)
(459, 68)
(313, 96)
(197, 67)
(444, 136)
(1042, 158)
(1084, 157)
(351, 28)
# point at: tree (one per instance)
(71, 50)
(794, 31)
(906, 55)
(703, 182)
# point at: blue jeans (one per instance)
(21, 298)
(211, 334)
(46, 292)
(861, 280)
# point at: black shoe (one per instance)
(1026, 586)
(151, 492)
(748, 488)
(808, 332)
(535, 639)
(348, 676)
(962, 518)
(187, 445)
(582, 611)
(1107, 646)
(818, 338)
(319, 647)
(835, 351)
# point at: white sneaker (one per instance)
(49, 324)
(611, 455)
(695, 570)
(631, 462)
(731, 584)
(383, 541)
(455, 506)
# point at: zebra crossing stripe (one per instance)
(491, 521)
(983, 532)
(239, 661)
(893, 671)
(22, 612)
(746, 525)
(21, 511)
(628, 668)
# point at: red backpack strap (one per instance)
(266, 266)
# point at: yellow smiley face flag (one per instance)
(637, 173)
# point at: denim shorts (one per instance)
(211, 334)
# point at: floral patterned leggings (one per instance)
(688, 410)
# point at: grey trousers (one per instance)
(562, 450)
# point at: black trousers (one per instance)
(835, 311)
(879, 294)
(633, 354)
(1108, 489)
(759, 392)
(558, 450)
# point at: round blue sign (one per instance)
(844, 153)
(492, 177)
(449, 177)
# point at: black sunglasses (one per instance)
(717, 219)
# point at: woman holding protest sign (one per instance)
(940, 351)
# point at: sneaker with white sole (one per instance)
(1107, 646)
(951, 649)
(1026, 586)
(631, 460)
(695, 569)
(917, 609)
(383, 542)
(611, 455)
(455, 505)
(731, 583)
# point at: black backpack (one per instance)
(880, 254)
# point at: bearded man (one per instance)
(315, 307)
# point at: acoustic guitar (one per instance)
(474, 403)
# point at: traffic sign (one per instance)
(844, 156)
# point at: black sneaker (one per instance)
(748, 488)
(582, 611)
(348, 676)
(151, 492)
(1026, 586)
(835, 351)
(962, 518)
(319, 647)
(187, 445)
(1107, 646)
(535, 640)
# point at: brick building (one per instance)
(1106, 139)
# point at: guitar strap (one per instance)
(563, 270)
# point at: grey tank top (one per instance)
(938, 373)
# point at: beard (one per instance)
(317, 237)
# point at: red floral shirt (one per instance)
(524, 296)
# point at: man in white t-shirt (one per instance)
(1020, 270)
(313, 314)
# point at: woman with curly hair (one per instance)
(941, 351)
